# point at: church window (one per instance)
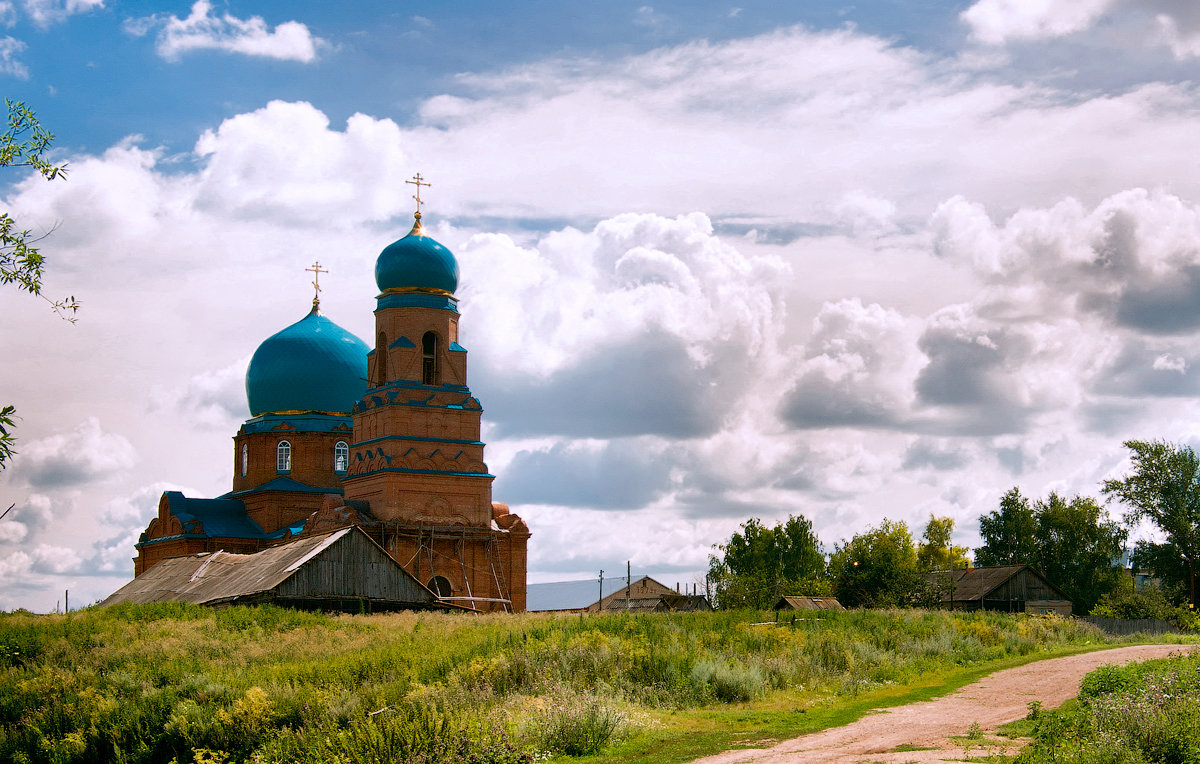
(381, 350)
(341, 456)
(283, 457)
(440, 586)
(245, 459)
(429, 369)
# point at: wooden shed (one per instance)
(341, 570)
(1008, 588)
(808, 603)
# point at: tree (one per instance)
(759, 564)
(24, 144)
(1164, 488)
(878, 568)
(936, 551)
(1009, 535)
(1072, 544)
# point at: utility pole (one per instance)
(628, 582)
(600, 602)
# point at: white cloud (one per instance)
(85, 454)
(213, 399)
(204, 30)
(997, 21)
(283, 162)
(47, 12)
(8, 13)
(10, 48)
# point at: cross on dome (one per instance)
(316, 271)
(418, 181)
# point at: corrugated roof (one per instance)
(215, 577)
(789, 602)
(569, 595)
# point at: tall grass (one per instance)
(163, 682)
(1144, 712)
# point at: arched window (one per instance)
(429, 369)
(440, 586)
(245, 459)
(341, 456)
(283, 457)
(381, 374)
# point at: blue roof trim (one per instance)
(300, 423)
(403, 342)
(210, 518)
(457, 348)
(416, 300)
(420, 472)
(419, 440)
(282, 484)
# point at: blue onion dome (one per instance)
(313, 365)
(416, 263)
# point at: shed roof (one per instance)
(975, 584)
(788, 602)
(224, 577)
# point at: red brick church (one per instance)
(384, 438)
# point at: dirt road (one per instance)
(994, 700)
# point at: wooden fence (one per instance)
(1123, 626)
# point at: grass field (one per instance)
(184, 683)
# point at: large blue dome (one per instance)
(313, 365)
(418, 263)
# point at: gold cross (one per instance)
(418, 181)
(316, 271)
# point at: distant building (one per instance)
(1007, 588)
(808, 603)
(385, 439)
(645, 595)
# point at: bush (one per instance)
(728, 682)
(576, 726)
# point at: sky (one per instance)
(853, 261)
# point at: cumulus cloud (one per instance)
(644, 325)
(282, 162)
(44, 13)
(204, 30)
(997, 21)
(858, 371)
(10, 48)
(213, 399)
(83, 455)
(1173, 23)
(582, 475)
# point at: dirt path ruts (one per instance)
(994, 700)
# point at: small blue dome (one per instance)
(416, 262)
(313, 365)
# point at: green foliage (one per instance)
(1144, 712)
(1072, 543)
(24, 144)
(1010, 534)
(1164, 489)
(937, 551)
(759, 564)
(878, 568)
(575, 725)
(152, 684)
(1150, 602)
(729, 682)
(8, 416)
